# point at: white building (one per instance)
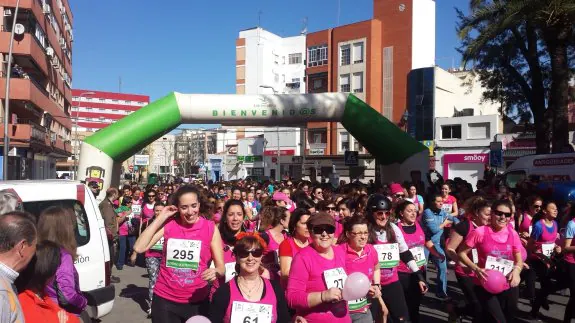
(266, 64)
(162, 155)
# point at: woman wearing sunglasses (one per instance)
(148, 204)
(329, 207)
(478, 213)
(318, 274)
(298, 239)
(361, 256)
(533, 206)
(417, 243)
(248, 296)
(391, 247)
(542, 246)
(498, 248)
(191, 243)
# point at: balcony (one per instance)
(34, 136)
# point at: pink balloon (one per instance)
(198, 319)
(356, 286)
(495, 282)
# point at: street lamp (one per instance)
(277, 134)
(7, 98)
(77, 145)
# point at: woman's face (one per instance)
(127, 192)
(286, 191)
(237, 194)
(248, 261)
(343, 210)
(358, 235)
(234, 217)
(251, 197)
(331, 210)
(409, 214)
(158, 209)
(536, 207)
(551, 210)
(305, 188)
(412, 191)
(445, 190)
(484, 216)
(500, 217)
(220, 207)
(137, 194)
(318, 194)
(381, 217)
(301, 227)
(438, 203)
(323, 236)
(285, 222)
(189, 208)
(151, 196)
(244, 196)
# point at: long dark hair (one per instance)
(373, 227)
(348, 227)
(399, 208)
(228, 236)
(41, 269)
(294, 219)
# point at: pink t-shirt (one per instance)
(364, 263)
(147, 211)
(448, 204)
(415, 240)
(185, 285)
(307, 276)
(236, 296)
(271, 256)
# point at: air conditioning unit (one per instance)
(7, 12)
(62, 42)
(71, 35)
(46, 9)
(50, 51)
(55, 61)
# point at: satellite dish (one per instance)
(19, 29)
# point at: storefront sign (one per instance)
(216, 164)
(250, 159)
(142, 160)
(462, 159)
(316, 152)
(282, 152)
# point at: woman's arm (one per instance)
(218, 253)
(152, 233)
(283, 315)
(455, 209)
(219, 304)
(285, 265)
(455, 240)
(68, 294)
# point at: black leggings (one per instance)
(412, 292)
(544, 275)
(500, 308)
(394, 299)
(570, 280)
(473, 306)
(166, 311)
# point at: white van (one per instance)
(93, 263)
(548, 167)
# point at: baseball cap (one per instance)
(396, 188)
(320, 218)
(279, 196)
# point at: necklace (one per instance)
(246, 290)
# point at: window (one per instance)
(276, 59)
(358, 82)
(478, 130)
(317, 84)
(357, 145)
(344, 83)
(358, 53)
(294, 58)
(276, 77)
(344, 138)
(345, 55)
(317, 55)
(82, 229)
(451, 132)
(514, 177)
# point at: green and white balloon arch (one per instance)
(103, 152)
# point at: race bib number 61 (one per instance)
(243, 312)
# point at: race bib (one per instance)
(243, 312)
(502, 265)
(357, 304)
(183, 253)
(334, 278)
(418, 255)
(230, 271)
(474, 256)
(447, 208)
(159, 246)
(136, 209)
(387, 254)
(547, 249)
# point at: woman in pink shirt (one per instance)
(498, 248)
(278, 219)
(190, 243)
(248, 297)
(361, 256)
(299, 238)
(317, 276)
(532, 207)
(449, 201)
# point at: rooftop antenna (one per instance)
(304, 29)
(260, 18)
(338, 11)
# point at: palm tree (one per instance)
(527, 23)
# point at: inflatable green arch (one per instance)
(103, 152)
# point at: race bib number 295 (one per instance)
(182, 253)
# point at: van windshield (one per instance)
(82, 230)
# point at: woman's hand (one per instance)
(133, 258)
(514, 278)
(299, 319)
(557, 249)
(331, 295)
(210, 274)
(423, 287)
(374, 292)
(168, 212)
(480, 273)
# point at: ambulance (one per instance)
(543, 168)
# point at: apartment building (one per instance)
(370, 59)
(40, 85)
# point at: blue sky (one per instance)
(189, 46)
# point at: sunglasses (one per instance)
(324, 228)
(152, 195)
(256, 253)
(329, 208)
(399, 196)
(382, 212)
(500, 213)
(537, 206)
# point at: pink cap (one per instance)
(396, 188)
